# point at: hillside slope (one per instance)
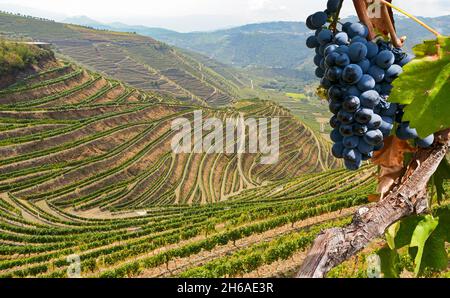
(137, 60)
(75, 138)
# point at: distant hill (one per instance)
(275, 44)
(138, 60)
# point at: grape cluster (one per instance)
(357, 75)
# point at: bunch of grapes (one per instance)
(357, 75)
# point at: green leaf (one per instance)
(390, 262)
(442, 173)
(391, 233)
(420, 236)
(434, 253)
(444, 222)
(406, 230)
(424, 86)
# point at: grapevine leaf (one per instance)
(391, 233)
(387, 178)
(434, 253)
(420, 236)
(442, 173)
(392, 154)
(424, 86)
(390, 262)
(444, 222)
(391, 161)
(406, 230)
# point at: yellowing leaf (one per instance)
(373, 198)
(387, 178)
(392, 155)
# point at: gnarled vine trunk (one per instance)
(408, 197)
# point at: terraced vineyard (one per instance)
(137, 60)
(87, 168)
(254, 234)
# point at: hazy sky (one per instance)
(188, 15)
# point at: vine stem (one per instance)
(411, 17)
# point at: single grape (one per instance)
(353, 91)
(309, 23)
(319, 19)
(407, 58)
(352, 73)
(325, 37)
(335, 93)
(365, 65)
(366, 83)
(341, 38)
(357, 52)
(377, 73)
(393, 72)
(353, 165)
(357, 29)
(359, 129)
(373, 137)
(334, 107)
(330, 59)
(425, 143)
(351, 142)
(334, 122)
(343, 60)
(346, 130)
(372, 49)
(384, 59)
(337, 150)
(312, 42)
(363, 116)
(364, 148)
(330, 49)
(351, 154)
(334, 74)
(336, 136)
(405, 132)
(333, 5)
(369, 99)
(345, 117)
(325, 83)
(351, 104)
(375, 122)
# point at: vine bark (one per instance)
(334, 246)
